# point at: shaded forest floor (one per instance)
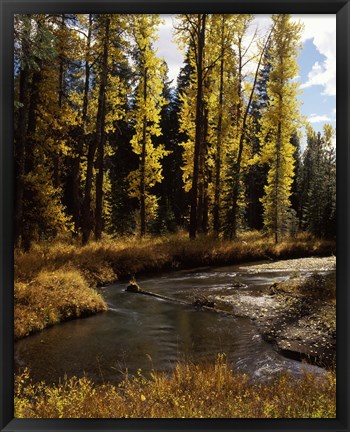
(208, 390)
(56, 281)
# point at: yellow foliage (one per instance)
(278, 123)
(149, 101)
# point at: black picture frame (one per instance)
(7, 10)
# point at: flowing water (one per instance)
(143, 332)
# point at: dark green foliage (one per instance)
(172, 198)
(255, 180)
(121, 163)
(234, 215)
(37, 201)
(319, 186)
(297, 184)
(165, 221)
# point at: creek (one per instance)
(148, 333)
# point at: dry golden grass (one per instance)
(191, 391)
(104, 261)
(53, 271)
(52, 297)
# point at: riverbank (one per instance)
(55, 282)
(52, 297)
(191, 391)
(298, 315)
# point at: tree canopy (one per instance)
(105, 144)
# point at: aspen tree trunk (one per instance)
(76, 162)
(205, 175)
(30, 144)
(217, 191)
(87, 214)
(199, 126)
(20, 151)
(237, 165)
(143, 161)
(201, 180)
(56, 161)
(101, 137)
(277, 180)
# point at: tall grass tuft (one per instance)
(52, 297)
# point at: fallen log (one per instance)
(135, 288)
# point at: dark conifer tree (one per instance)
(255, 180)
(318, 184)
(296, 186)
(121, 162)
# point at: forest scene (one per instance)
(174, 216)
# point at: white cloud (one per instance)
(321, 29)
(168, 49)
(256, 33)
(319, 118)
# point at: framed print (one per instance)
(174, 216)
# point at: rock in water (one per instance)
(203, 301)
(133, 287)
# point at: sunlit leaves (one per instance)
(146, 116)
(279, 121)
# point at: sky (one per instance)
(316, 61)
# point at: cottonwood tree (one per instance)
(146, 116)
(98, 141)
(279, 123)
(192, 28)
(241, 152)
(204, 112)
(107, 107)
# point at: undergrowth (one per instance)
(54, 281)
(101, 262)
(52, 297)
(191, 391)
